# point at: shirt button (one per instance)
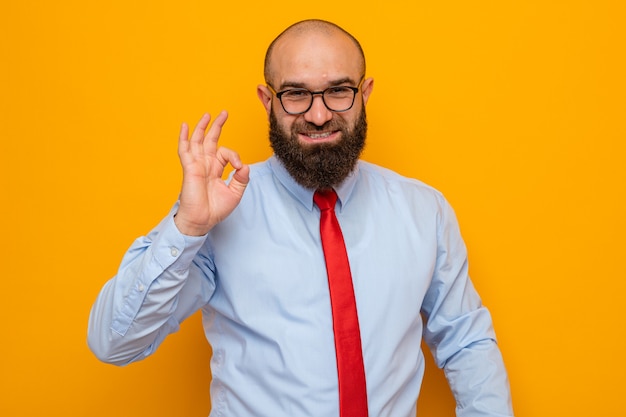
(174, 251)
(140, 287)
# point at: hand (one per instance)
(205, 199)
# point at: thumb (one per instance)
(240, 180)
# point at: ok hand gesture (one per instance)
(205, 198)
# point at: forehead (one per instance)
(314, 59)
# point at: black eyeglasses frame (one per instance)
(279, 95)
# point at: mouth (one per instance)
(319, 137)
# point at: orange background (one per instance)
(515, 110)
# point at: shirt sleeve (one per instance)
(459, 330)
(163, 278)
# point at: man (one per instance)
(248, 254)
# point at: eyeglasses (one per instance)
(300, 100)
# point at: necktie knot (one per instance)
(325, 199)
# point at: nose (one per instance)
(318, 114)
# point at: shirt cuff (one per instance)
(174, 250)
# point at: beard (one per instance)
(324, 165)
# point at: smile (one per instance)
(320, 137)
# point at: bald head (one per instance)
(306, 29)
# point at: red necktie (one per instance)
(350, 369)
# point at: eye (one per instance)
(339, 91)
(296, 94)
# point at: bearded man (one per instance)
(252, 255)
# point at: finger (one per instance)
(198, 133)
(228, 156)
(215, 130)
(183, 138)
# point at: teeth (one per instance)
(319, 135)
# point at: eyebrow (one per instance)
(295, 84)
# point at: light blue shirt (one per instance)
(260, 280)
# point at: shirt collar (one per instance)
(305, 195)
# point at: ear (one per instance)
(265, 95)
(366, 89)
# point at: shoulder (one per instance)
(386, 189)
(260, 169)
(378, 176)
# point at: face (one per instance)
(320, 147)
